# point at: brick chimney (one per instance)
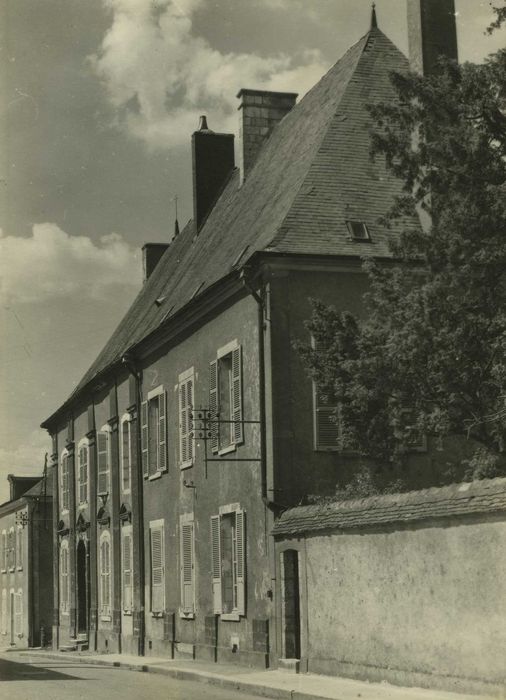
(260, 111)
(432, 32)
(151, 254)
(213, 161)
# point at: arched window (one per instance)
(64, 480)
(127, 452)
(64, 576)
(104, 461)
(105, 575)
(83, 455)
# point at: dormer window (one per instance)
(358, 231)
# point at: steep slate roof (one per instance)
(474, 498)
(312, 174)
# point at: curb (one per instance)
(257, 689)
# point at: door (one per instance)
(290, 604)
(82, 588)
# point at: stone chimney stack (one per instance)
(260, 111)
(432, 31)
(213, 161)
(151, 255)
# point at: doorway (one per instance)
(290, 604)
(82, 588)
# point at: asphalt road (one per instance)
(21, 679)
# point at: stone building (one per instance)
(196, 424)
(26, 574)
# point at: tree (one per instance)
(430, 356)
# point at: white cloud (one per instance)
(52, 264)
(160, 76)
(26, 459)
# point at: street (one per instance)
(46, 679)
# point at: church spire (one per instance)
(374, 19)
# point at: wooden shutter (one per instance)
(19, 542)
(326, 425)
(187, 567)
(216, 563)
(157, 569)
(11, 549)
(162, 432)
(18, 613)
(103, 462)
(185, 422)
(213, 405)
(237, 433)
(125, 455)
(4, 611)
(240, 544)
(145, 438)
(83, 474)
(127, 571)
(64, 592)
(4, 551)
(65, 482)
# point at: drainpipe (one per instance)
(129, 362)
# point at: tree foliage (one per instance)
(430, 356)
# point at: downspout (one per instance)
(129, 362)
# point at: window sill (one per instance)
(3, 571)
(153, 477)
(127, 612)
(186, 616)
(20, 568)
(230, 617)
(186, 465)
(12, 569)
(83, 505)
(64, 612)
(227, 449)
(105, 618)
(157, 615)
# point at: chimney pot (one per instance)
(203, 123)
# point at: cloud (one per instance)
(159, 76)
(26, 459)
(52, 264)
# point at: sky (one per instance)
(97, 105)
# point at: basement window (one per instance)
(358, 231)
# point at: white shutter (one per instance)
(83, 475)
(105, 576)
(185, 421)
(103, 463)
(237, 433)
(145, 438)
(187, 567)
(216, 563)
(213, 404)
(240, 543)
(19, 542)
(157, 569)
(4, 612)
(4, 551)
(162, 432)
(18, 613)
(64, 590)
(65, 482)
(125, 455)
(127, 571)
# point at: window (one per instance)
(154, 433)
(18, 613)
(104, 461)
(19, 553)
(64, 577)
(64, 481)
(83, 457)
(127, 452)
(225, 397)
(327, 426)
(186, 401)
(187, 564)
(12, 549)
(358, 231)
(228, 553)
(5, 551)
(105, 575)
(4, 612)
(127, 569)
(156, 539)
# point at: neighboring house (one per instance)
(196, 425)
(26, 575)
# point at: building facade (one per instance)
(196, 426)
(26, 577)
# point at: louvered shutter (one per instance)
(237, 433)
(189, 410)
(157, 570)
(125, 454)
(11, 549)
(326, 425)
(64, 592)
(240, 543)
(18, 614)
(4, 551)
(144, 438)
(65, 482)
(127, 572)
(216, 563)
(103, 463)
(213, 405)
(162, 432)
(187, 568)
(83, 474)
(4, 612)
(19, 556)
(183, 424)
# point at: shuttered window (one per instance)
(19, 544)
(325, 417)
(105, 575)
(154, 433)
(18, 613)
(64, 483)
(5, 551)
(213, 405)
(3, 627)
(12, 549)
(225, 397)
(83, 473)
(127, 572)
(103, 462)
(64, 577)
(186, 400)
(157, 566)
(127, 449)
(187, 564)
(228, 555)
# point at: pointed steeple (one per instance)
(374, 19)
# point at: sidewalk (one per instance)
(267, 684)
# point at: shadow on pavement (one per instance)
(14, 671)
